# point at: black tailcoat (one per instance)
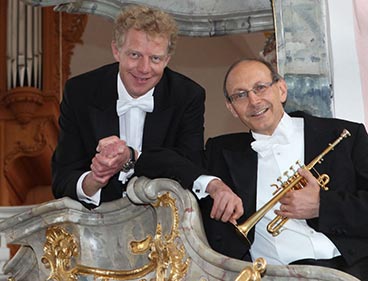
(88, 114)
(343, 213)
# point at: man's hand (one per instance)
(227, 206)
(302, 203)
(112, 154)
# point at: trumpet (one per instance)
(294, 182)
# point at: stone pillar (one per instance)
(303, 53)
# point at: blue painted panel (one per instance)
(310, 93)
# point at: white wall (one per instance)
(346, 75)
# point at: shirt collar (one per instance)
(285, 129)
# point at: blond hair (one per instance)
(152, 21)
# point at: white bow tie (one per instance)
(145, 103)
(264, 146)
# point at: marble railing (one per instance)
(4, 256)
(6, 212)
(155, 233)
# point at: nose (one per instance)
(143, 65)
(253, 98)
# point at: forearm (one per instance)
(90, 185)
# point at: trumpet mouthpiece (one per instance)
(345, 133)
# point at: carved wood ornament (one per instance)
(29, 114)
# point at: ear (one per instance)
(167, 60)
(115, 51)
(283, 90)
(230, 107)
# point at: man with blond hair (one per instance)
(111, 116)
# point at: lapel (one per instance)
(313, 136)
(316, 139)
(242, 164)
(102, 110)
(157, 123)
(312, 141)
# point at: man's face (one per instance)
(142, 60)
(260, 113)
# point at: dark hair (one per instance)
(274, 74)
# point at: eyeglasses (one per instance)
(258, 90)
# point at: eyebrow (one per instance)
(243, 89)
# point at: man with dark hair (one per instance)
(326, 228)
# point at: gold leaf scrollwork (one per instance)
(60, 247)
(166, 257)
(254, 272)
(170, 258)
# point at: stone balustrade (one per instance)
(155, 233)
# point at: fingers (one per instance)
(222, 209)
(111, 146)
(106, 141)
(106, 167)
(301, 203)
(107, 162)
(227, 206)
(232, 211)
(112, 154)
(238, 212)
(306, 174)
(284, 211)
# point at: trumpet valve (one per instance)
(277, 188)
(292, 169)
(279, 179)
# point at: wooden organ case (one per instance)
(35, 52)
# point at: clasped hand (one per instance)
(112, 154)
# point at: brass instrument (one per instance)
(294, 182)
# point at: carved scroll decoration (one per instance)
(254, 272)
(60, 247)
(166, 248)
(166, 258)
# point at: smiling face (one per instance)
(260, 113)
(142, 60)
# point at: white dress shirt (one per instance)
(297, 240)
(131, 126)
